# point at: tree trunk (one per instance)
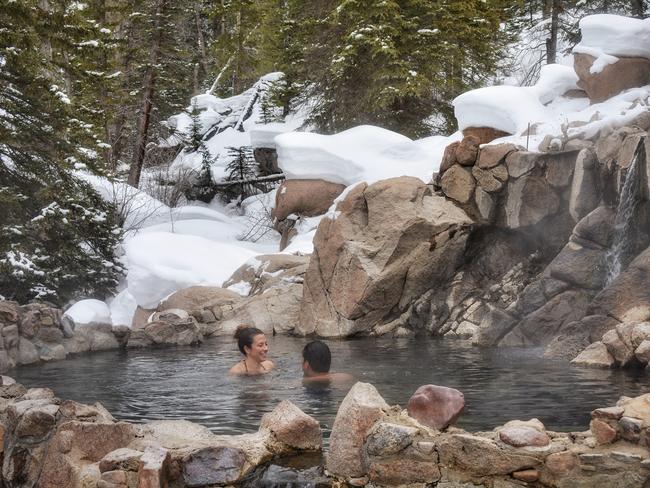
(638, 8)
(124, 30)
(238, 54)
(147, 98)
(551, 42)
(201, 42)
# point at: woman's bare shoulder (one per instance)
(237, 369)
(268, 364)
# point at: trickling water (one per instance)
(624, 221)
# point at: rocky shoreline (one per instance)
(49, 442)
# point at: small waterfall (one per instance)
(624, 223)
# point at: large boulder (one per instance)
(168, 330)
(467, 151)
(206, 304)
(494, 154)
(436, 406)
(483, 457)
(580, 266)
(530, 199)
(304, 197)
(196, 298)
(359, 411)
(266, 271)
(292, 427)
(484, 134)
(458, 184)
(613, 78)
(275, 311)
(585, 188)
(75, 444)
(627, 298)
(595, 355)
(390, 242)
(541, 326)
(574, 337)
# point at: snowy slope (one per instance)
(166, 249)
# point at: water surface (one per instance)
(192, 382)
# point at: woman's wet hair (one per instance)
(318, 355)
(244, 335)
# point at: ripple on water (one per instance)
(192, 382)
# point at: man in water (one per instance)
(316, 362)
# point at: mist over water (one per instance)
(192, 382)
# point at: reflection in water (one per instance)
(192, 382)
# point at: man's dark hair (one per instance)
(318, 355)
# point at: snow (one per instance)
(223, 125)
(512, 108)
(167, 249)
(123, 307)
(363, 153)
(264, 135)
(616, 35)
(161, 263)
(90, 310)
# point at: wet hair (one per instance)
(244, 335)
(318, 355)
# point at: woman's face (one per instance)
(259, 349)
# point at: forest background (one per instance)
(87, 85)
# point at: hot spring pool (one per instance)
(192, 382)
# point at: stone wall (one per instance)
(54, 443)
(376, 445)
(536, 263)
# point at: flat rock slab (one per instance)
(522, 436)
(213, 466)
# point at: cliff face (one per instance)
(573, 221)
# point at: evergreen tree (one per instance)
(57, 237)
(395, 62)
(241, 168)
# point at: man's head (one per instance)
(316, 358)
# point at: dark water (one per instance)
(192, 382)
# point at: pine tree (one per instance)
(57, 237)
(393, 62)
(241, 167)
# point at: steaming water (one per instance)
(191, 382)
(624, 221)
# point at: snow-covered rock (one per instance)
(614, 35)
(512, 108)
(363, 153)
(90, 310)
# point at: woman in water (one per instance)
(254, 346)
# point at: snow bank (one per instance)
(578, 118)
(615, 35)
(264, 135)
(363, 153)
(87, 311)
(123, 307)
(161, 263)
(136, 207)
(512, 108)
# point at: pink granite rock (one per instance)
(436, 406)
